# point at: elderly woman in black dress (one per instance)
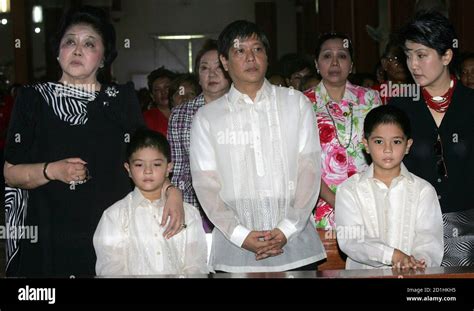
(65, 153)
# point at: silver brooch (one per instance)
(111, 91)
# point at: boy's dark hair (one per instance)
(434, 30)
(240, 29)
(156, 74)
(97, 19)
(333, 35)
(144, 138)
(387, 114)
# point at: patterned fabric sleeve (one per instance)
(176, 144)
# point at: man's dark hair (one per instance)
(145, 138)
(242, 30)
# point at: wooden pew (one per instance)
(335, 258)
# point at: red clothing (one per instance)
(155, 120)
(5, 113)
(378, 88)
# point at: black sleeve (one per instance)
(133, 110)
(21, 131)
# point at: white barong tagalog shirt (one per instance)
(129, 240)
(373, 219)
(256, 165)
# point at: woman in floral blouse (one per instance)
(340, 109)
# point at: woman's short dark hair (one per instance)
(333, 35)
(240, 29)
(146, 138)
(434, 30)
(97, 19)
(387, 114)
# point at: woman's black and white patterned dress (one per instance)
(51, 122)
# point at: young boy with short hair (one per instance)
(129, 239)
(388, 216)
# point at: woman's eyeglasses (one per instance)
(440, 164)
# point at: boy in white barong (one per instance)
(386, 216)
(256, 164)
(129, 238)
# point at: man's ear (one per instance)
(225, 62)
(127, 167)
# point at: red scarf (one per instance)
(440, 103)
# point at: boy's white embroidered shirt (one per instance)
(404, 216)
(129, 240)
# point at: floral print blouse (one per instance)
(341, 129)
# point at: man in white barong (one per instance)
(256, 164)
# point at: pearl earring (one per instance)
(317, 70)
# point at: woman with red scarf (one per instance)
(443, 131)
